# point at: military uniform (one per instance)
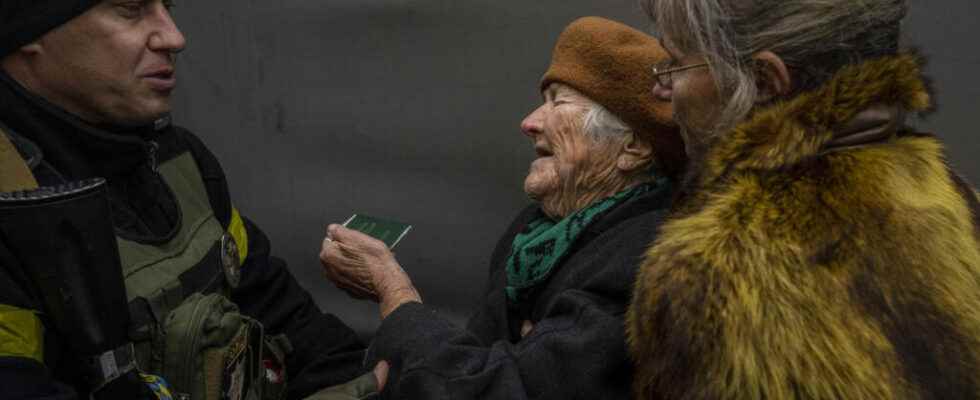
(179, 237)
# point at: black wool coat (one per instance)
(576, 349)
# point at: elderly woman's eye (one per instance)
(132, 9)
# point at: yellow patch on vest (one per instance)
(237, 230)
(21, 333)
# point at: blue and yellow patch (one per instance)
(159, 386)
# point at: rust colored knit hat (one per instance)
(610, 63)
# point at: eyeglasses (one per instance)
(664, 74)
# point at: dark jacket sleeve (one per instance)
(574, 352)
(576, 349)
(325, 352)
(27, 347)
(22, 377)
(27, 379)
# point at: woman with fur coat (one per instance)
(822, 248)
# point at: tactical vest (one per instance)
(194, 336)
(183, 326)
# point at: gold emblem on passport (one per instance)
(230, 262)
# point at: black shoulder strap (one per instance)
(212, 174)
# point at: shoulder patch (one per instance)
(21, 333)
(237, 230)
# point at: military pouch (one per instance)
(213, 352)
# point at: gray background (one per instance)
(409, 109)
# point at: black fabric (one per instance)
(28, 379)
(205, 277)
(89, 151)
(326, 352)
(577, 347)
(211, 173)
(143, 208)
(18, 290)
(24, 21)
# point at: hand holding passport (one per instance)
(387, 231)
(357, 258)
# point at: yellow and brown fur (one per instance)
(794, 272)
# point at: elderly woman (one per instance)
(550, 325)
(822, 249)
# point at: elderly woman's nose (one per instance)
(531, 125)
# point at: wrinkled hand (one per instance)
(365, 268)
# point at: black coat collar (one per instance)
(144, 208)
(74, 147)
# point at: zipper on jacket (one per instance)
(151, 153)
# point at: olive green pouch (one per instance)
(213, 352)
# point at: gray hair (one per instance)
(600, 124)
(815, 38)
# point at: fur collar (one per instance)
(815, 265)
(798, 129)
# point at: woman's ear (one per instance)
(772, 76)
(636, 152)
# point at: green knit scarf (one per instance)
(544, 242)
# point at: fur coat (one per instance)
(828, 252)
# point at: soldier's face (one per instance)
(114, 64)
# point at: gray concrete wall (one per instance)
(410, 109)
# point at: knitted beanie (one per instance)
(611, 64)
(24, 21)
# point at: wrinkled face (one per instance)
(569, 163)
(113, 64)
(695, 98)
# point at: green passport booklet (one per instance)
(387, 231)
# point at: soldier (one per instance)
(85, 92)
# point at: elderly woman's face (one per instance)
(569, 163)
(694, 96)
